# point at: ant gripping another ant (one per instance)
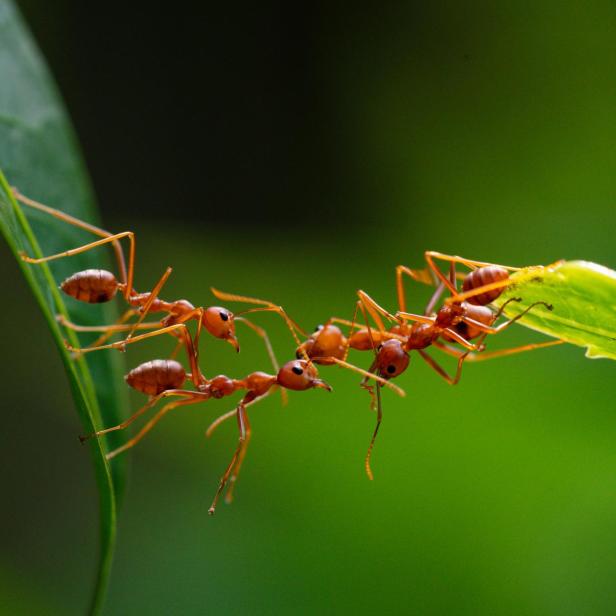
(166, 378)
(462, 319)
(98, 286)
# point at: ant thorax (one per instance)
(421, 336)
(327, 341)
(449, 314)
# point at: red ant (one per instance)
(97, 286)
(461, 319)
(162, 378)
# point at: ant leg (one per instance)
(463, 341)
(133, 441)
(375, 310)
(485, 355)
(270, 351)
(513, 350)
(121, 344)
(240, 459)
(220, 420)
(461, 297)
(137, 414)
(441, 371)
(266, 341)
(488, 329)
(178, 327)
(128, 282)
(409, 316)
(367, 375)
(176, 349)
(145, 309)
(423, 276)
(119, 326)
(294, 328)
(242, 422)
(430, 255)
(379, 418)
(434, 299)
(71, 220)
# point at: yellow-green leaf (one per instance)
(583, 296)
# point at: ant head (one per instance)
(299, 375)
(220, 323)
(391, 359)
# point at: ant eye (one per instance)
(318, 327)
(297, 370)
(224, 316)
(391, 369)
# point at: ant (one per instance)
(163, 378)
(462, 318)
(98, 286)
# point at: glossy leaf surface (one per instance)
(38, 154)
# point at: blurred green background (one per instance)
(483, 129)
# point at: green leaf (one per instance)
(38, 154)
(583, 296)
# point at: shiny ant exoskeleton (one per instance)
(162, 378)
(462, 319)
(98, 286)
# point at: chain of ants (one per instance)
(458, 328)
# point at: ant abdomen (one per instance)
(93, 286)
(483, 276)
(154, 377)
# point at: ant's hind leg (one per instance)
(240, 459)
(431, 255)
(493, 286)
(488, 329)
(121, 346)
(76, 222)
(241, 422)
(119, 326)
(222, 418)
(145, 309)
(441, 371)
(434, 299)
(148, 426)
(424, 276)
(127, 282)
(379, 419)
(138, 413)
(485, 355)
(375, 310)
